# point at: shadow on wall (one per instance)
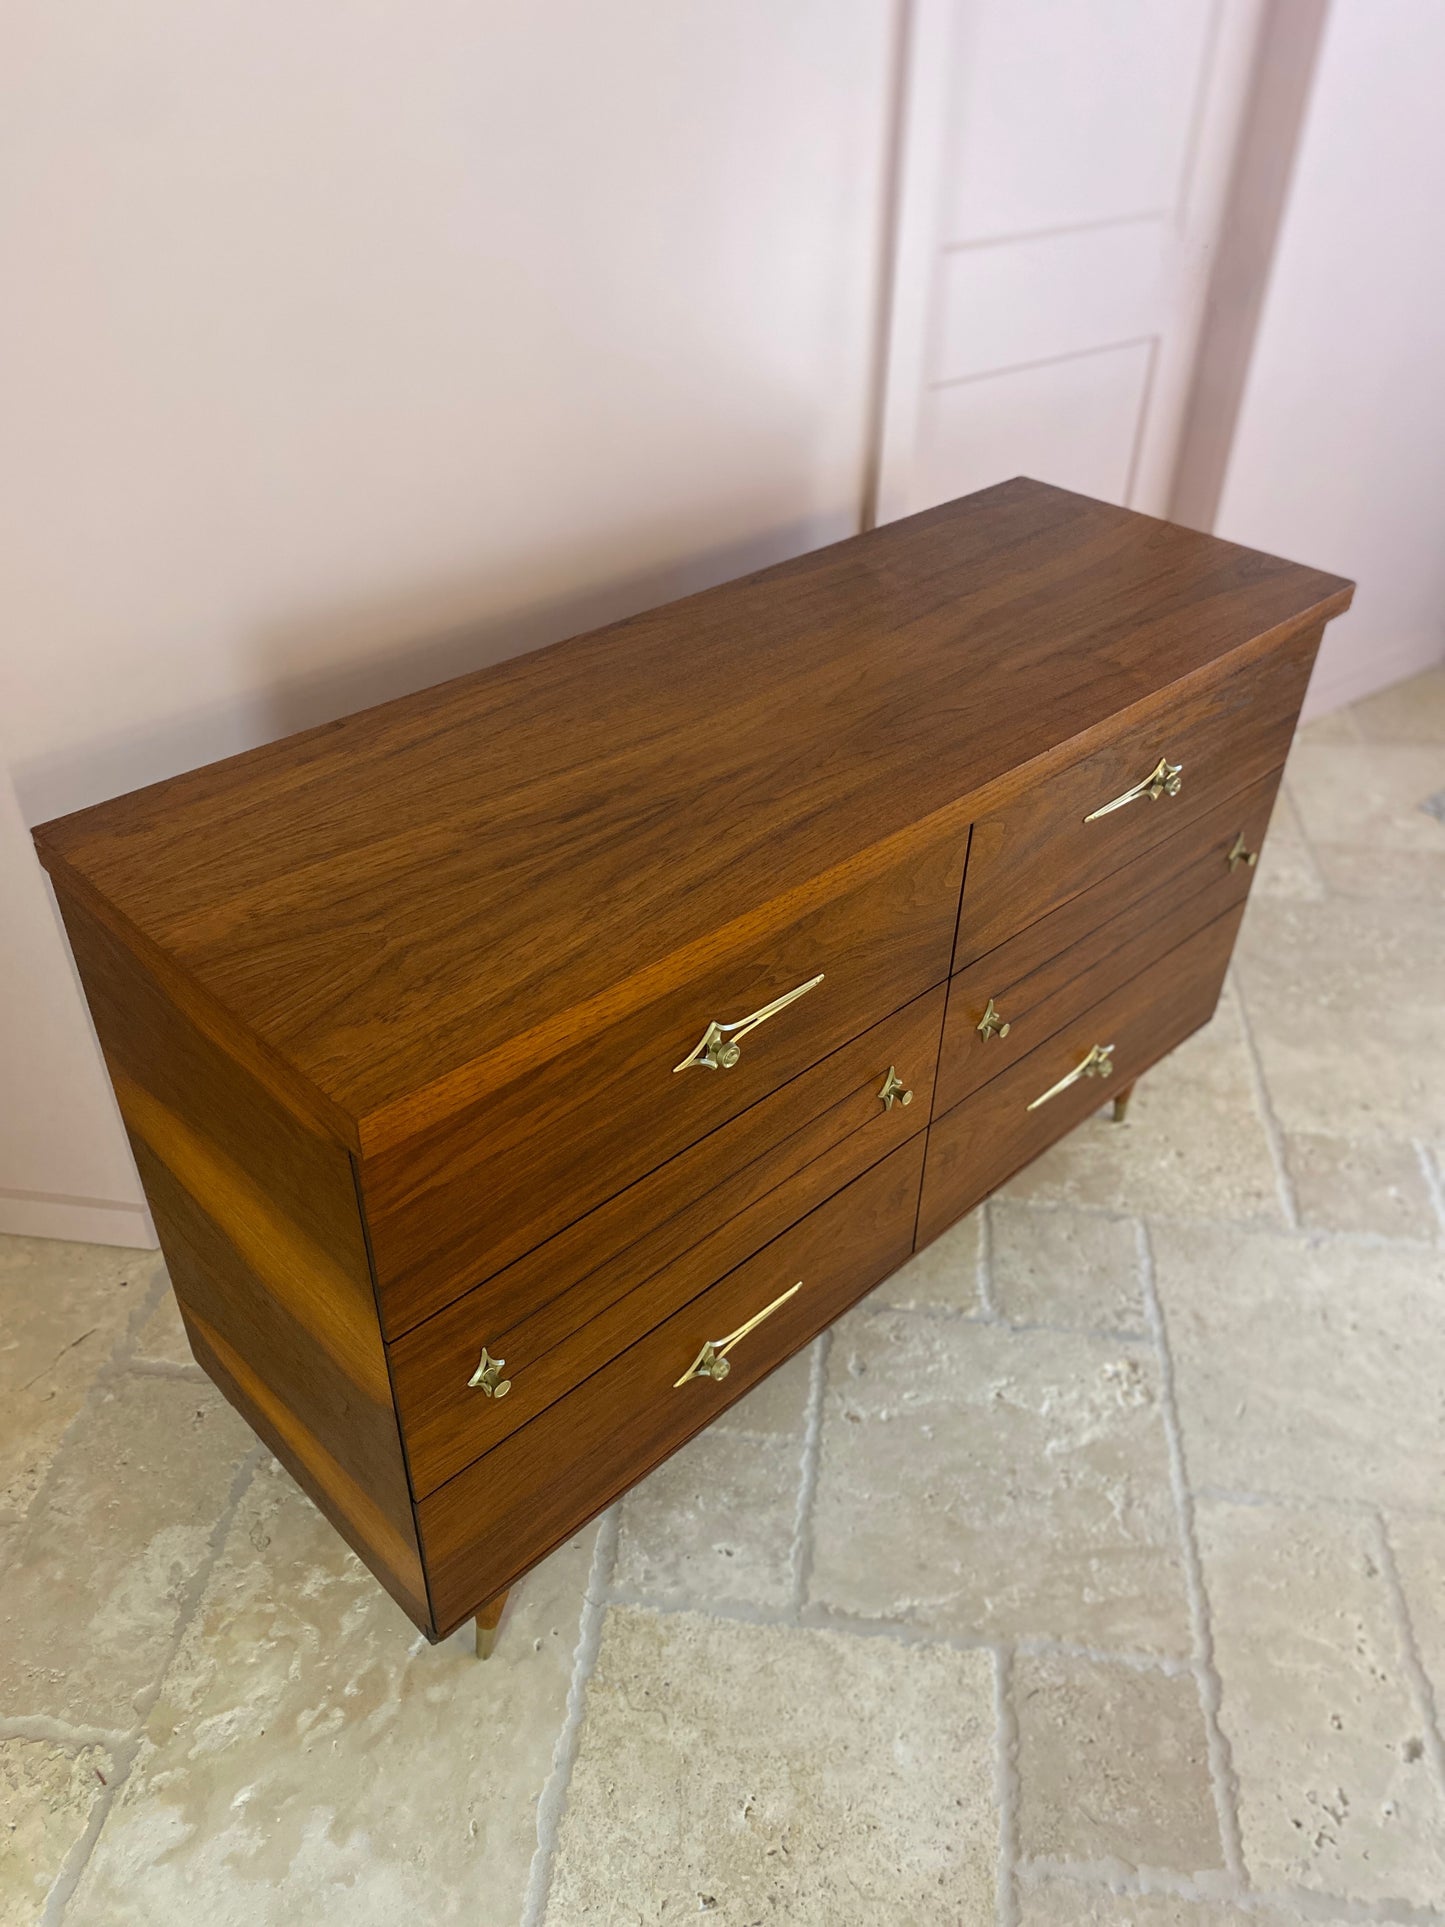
(382, 651)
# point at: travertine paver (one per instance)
(943, 1276)
(1113, 1764)
(1338, 726)
(162, 1339)
(714, 1522)
(95, 1578)
(1367, 796)
(311, 1760)
(1418, 1546)
(775, 1408)
(1286, 866)
(1054, 1266)
(1409, 712)
(46, 1795)
(62, 1309)
(1193, 1144)
(1305, 1365)
(1373, 877)
(1347, 1014)
(989, 1483)
(1336, 1789)
(1070, 1903)
(1374, 1186)
(750, 1773)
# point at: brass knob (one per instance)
(1238, 854)
(893, 1089)
(488, 1376)
(1166, 780)
(991, 1024)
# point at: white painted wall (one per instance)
(1065, 170)
(344, 348)
(1338, 456)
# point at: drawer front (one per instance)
(449, 1209)
(1068, 961)
(975, 1147)
(550, 1338)
(1061, 836)
(501, 1515)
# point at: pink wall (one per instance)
(346, 347)
(1338, 453)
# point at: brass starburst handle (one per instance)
(488, 1376)
(1237, 854)
(893, 1090)
(1098, 1063)
(1165, 779)
(713, 1361)
(992, 1024)
(717, 1048)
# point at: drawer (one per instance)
(493, 1521)
(1052, 843)
(1057, 968)
(975, 1147)
(450, 1208)
(747, 1183)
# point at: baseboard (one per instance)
(1348, 672)
(91, 1221)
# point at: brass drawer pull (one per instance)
(712, 1361)
(1165, 779)
(992, 1023)
(718, 1048)
(893, 1090)
(1096, 1064)
(488, 1376)
(1238, 854)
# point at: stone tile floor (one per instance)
(1093, 1570)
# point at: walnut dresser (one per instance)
(521, 1070)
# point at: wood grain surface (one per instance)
(398, 912)
(978, 1145)
(449, 1208)
(509, 1509)
(262, 1236)
(711, 1228)
(1225, 729)
(1058, 967)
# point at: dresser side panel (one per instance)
(262, 1235)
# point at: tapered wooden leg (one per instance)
(488, 1620)
(1121, 1103)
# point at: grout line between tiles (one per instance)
(1006, 1789)
(957, 1315)
(1136, 1662)
(801, 1555)
(1434, 1183)
(818, 1618)
(192, 1593)
(1274, 1137)
(1313, 1502)
(161, 1368)
(1414, 1665)
(1262, 1228)
(983, 1269)
(1221, 1763)
(1305, 1903)
(552, 1804)
(55, 1732)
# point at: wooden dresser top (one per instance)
(376, 905)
